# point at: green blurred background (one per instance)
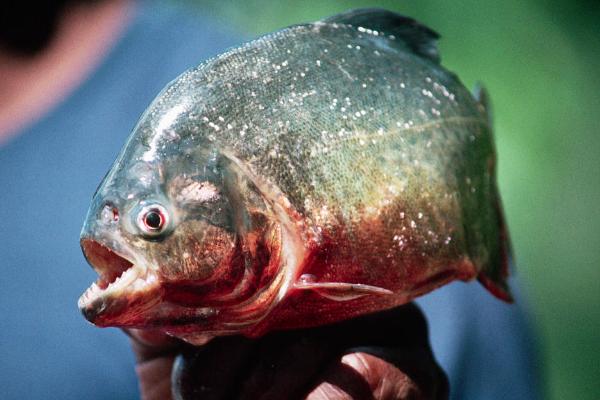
(540, 61)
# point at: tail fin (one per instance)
(494, 277)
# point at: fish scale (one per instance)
(298, 156)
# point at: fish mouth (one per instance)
(122, 291)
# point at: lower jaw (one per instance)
(104, 311)
(125, 310)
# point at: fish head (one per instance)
(161, 230)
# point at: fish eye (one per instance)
(152, 220)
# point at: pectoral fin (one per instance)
(340, 291)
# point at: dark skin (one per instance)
(375, 357)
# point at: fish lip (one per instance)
(122, 284)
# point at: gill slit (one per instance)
(292, 251)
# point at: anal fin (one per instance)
(498, 288)
(339, 291)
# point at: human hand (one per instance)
(379, 356)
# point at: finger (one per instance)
(154, 377)
(364, 376)
(155, 355)
(149, 344)
(416, 362)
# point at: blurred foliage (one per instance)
(540, 61)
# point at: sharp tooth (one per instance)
(138, 284)
(129, 276)
(123, 281)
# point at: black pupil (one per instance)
(153, 220)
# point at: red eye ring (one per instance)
(152, 220)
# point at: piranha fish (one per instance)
(315, 174)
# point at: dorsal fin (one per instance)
(417, 37)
